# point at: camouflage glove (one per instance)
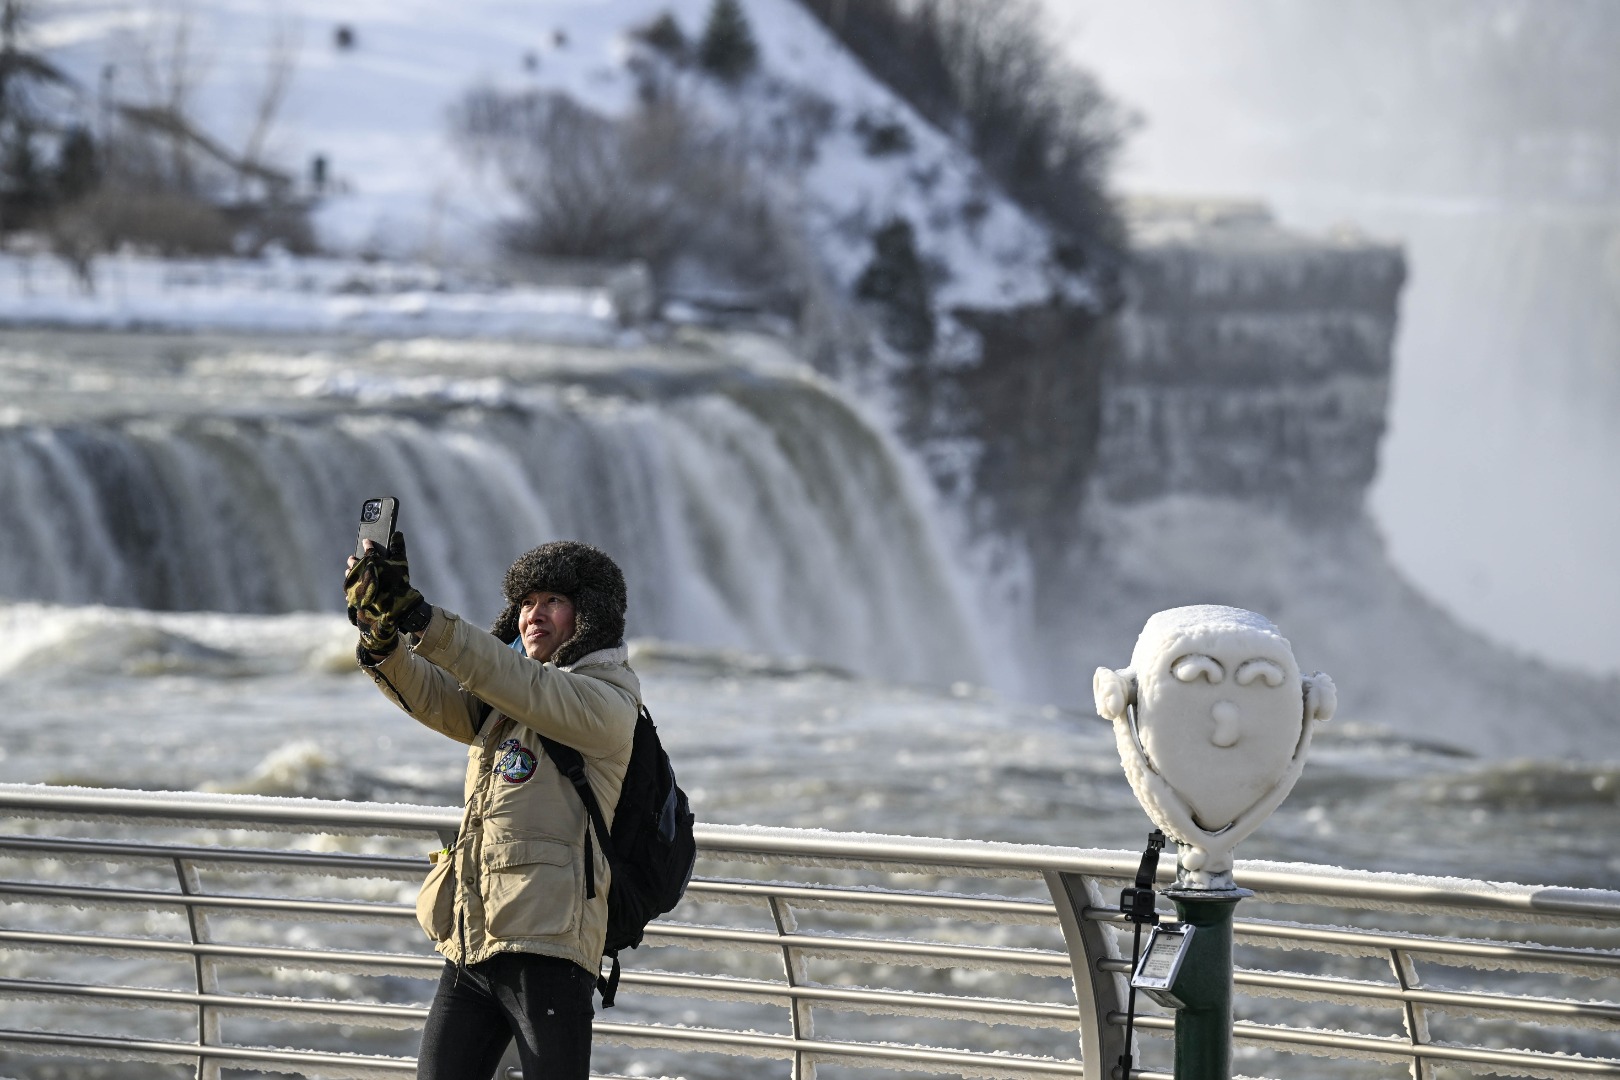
(381, 599)
(379, 637)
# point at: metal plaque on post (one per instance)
(1161, 963)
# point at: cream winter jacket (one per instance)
(514, 880)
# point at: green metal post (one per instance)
(1204, 984)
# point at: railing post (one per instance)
(202, 974)
(1413, 1015)
(793, 967)
(1097, 992)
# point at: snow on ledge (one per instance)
(286, 294)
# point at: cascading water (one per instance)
(749, 508)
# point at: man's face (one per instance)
(545, 621)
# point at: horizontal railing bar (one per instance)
(776, 1045)
(224, 1001)
(910, 854)
(262, 856)
(954, 904)
(947, 902)
(659, 933)
(208, 900)
(783, 993)
(1279, 880)
(1395, 1048)
(784, 1045)
(973, 1007)
(1538, 1009)
(1384, 940)
(417, 865)
(210, 1052)
(1307, 885)
(1376, 941)
(291, 957)
(196, 810)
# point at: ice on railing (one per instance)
(1560, 960)
(1426, 894)
(191, 809)
(1353, 995)
(993, 1065)
(885, 901)
(380, 878)
(247, 1006)
(940, 1007)
(221, 907)
(847, 947)
(929, 856)
(46, 1048)
(321, 961)
(1544, 1066)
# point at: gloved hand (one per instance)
(379, 594)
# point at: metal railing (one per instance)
(221, 932)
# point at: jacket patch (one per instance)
(516, 763)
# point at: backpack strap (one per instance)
(608, 985)
(571, 763)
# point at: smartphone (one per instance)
(377, 520)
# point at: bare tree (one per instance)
(171, 69)
(170, 184)
(281, 61)
(656, 185)
(35, 98)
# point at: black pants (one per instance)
(542, 1001)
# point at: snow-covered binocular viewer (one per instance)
(1213, 722)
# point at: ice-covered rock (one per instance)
(1254, 362)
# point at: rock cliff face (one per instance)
(1009, 435)
(1252, 363)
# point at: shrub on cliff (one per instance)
(984, 69)
(895, 282)
(656, 186)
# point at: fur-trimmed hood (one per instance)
(584, 574)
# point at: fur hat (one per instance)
(585, 575)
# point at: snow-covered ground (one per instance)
(287, 295)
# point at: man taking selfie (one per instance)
(517, 904)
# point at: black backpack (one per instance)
(650, 847)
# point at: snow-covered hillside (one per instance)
(395, 185)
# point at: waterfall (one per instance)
(749, 509)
